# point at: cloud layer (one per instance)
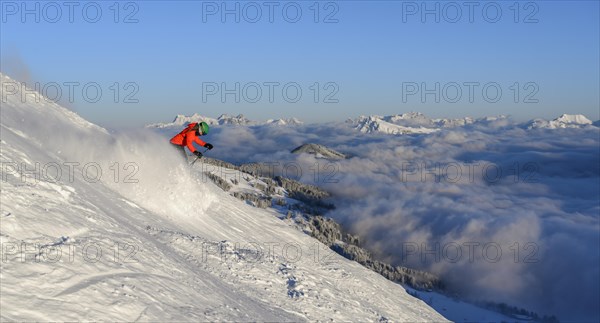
(501, 212)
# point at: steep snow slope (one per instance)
(155, 241)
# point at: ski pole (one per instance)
(205, 150)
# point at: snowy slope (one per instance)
(240, 183)
(460, 311)
(156, 241)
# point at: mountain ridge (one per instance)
(398, 124)
(319, 151)
(223, 119)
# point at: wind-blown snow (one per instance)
(156, 242)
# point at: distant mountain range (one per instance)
(224, 119)
(406, 123)
(399, 124)
(418, 123)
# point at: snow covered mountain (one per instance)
(406, 123)
(96, 228)
(224, 119)
(399, 124)
(564, 121)
(387, 125)
(319, 151)
(417, 123)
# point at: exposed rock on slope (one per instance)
(319, 151)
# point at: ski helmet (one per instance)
(204, 127)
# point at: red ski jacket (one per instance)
(186, 138)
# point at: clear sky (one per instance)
(368, 57)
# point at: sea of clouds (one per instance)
(501, 212)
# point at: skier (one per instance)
(191, 134)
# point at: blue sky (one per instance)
(367, 57)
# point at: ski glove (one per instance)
(209, 146)
(197, 153)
